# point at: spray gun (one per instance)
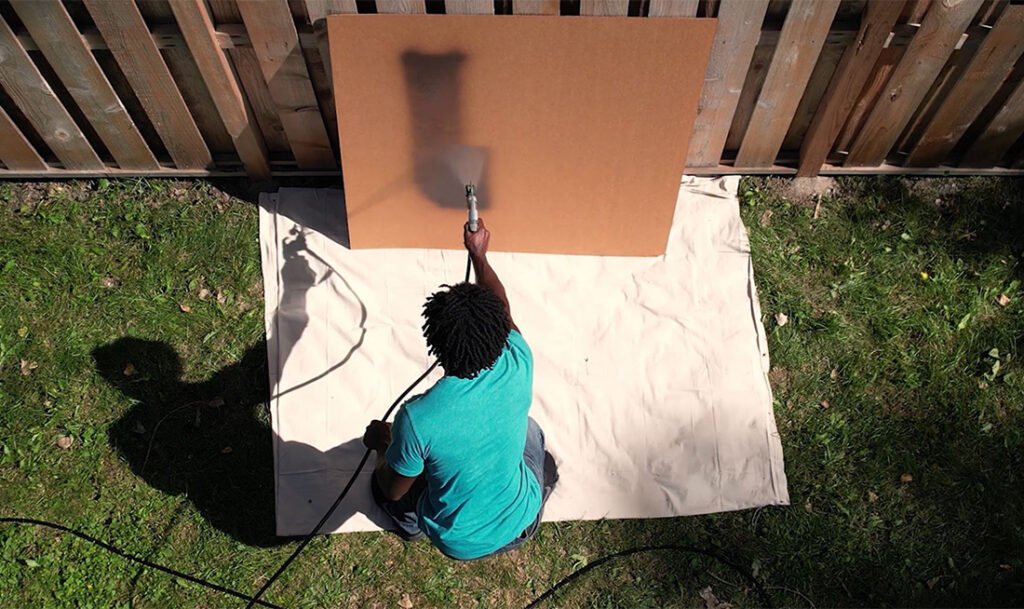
(471, 205)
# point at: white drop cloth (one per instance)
(650, 373)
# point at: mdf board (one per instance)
(575, 130)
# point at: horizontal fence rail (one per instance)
(243, 87)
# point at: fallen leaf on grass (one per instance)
(781, 319)
(817, 210)
(129, 369)
(824, 404)
(711, 601)
(906, 478)
(65, 442)
(405, 602)
(27, 367)
(872, 497)
(834, 374)
(765, 217)
(216, 402)
(221, 298)
(204, 294)
(184, 308)
(226, 450)
(983, 385)
(1006, 567)
(243, 306)
(110, 282)
(32, 564)
(1003, 300)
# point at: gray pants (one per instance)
(403, 511)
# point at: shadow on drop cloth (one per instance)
(209, 442)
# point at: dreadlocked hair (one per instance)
(466, 327)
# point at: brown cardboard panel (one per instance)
(574, 129)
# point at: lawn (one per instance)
(133, 389)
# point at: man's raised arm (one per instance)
(476, 243)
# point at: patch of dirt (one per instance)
(779, 379)
(806, 192)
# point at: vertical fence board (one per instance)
(469, 7)
(748, 96)
(803, 34)
(403, 7)
(739, 28)
(921, 63)
(1000, 134)
(849, 78)
(37, 101)
(225, 11)
(672, 8)
(828, 61)
(989, 67)
(250, 75)
(197, 98)
(58, 38)
(887, 62)
(197, 28)
(604, 8)
(535, 7)
(131, 44)
(15, 151)
(320, 9)
(276, 43)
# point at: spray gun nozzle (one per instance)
(471, 206)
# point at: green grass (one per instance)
(165, 276)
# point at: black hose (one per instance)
(257, 600)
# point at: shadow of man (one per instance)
(210, 441)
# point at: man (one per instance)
(463, 463)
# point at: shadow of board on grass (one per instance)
(210, 442)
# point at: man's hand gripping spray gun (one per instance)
(471, 205)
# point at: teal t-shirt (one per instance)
(468, 435)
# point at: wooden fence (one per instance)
(225, 87)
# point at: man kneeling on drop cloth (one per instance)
(463, 463)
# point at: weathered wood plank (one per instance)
(15, 151)
(37, 101)
(672, 8)
(803, 34)
(535, 7)
(752, 84)
(250, 75)
(604, 8)
(401, 7)
(320, 9)
(1000, 134)
(276, 43)
(469, 7)
(828, 61)
(57, 37)
(847, 82)
(739, 28)
(197, 27)
(943, 25)
(991, 64)
(886, 63)
(132, 45)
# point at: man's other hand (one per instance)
(377, 436)
(476, 242)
